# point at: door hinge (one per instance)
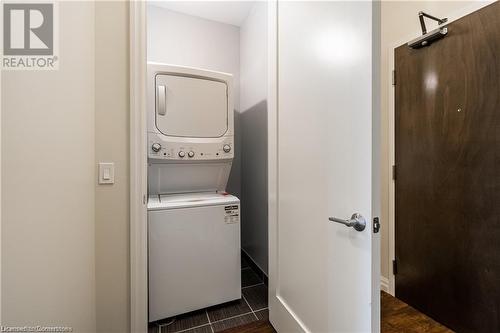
(376, 225)
(393, 77)
(393, 172)
(394, 267)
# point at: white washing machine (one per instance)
(193, 225)
(194, 252)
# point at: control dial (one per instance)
(182, 154)
(156, 147)
(226, 148)
(191, 154)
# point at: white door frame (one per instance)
(1, 194)
(391, 127)
(138, 169)
(275, 300)
(272, 169)
(138, 159)
(138, 166)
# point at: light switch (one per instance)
(106, 173)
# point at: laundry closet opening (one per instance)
(207, 164)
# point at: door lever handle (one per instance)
(357, 221)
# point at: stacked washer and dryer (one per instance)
(193, 224)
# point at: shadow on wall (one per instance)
(254, 194)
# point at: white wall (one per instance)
(112, 145)
(48, 177)
(400, 24)
(65, 241)
(253, 103)
(186, 40)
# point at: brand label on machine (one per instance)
(231, 214)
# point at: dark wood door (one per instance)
(448, 174)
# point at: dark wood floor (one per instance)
(396, 316)
(399, 317)
(261, 326)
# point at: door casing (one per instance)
(138, 161)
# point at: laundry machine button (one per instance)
(156, 147)
(182, 154)
(191, 154)
(226, 148)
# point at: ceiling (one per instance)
(230, 12)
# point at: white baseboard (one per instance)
(384, 284)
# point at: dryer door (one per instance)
(191, 106)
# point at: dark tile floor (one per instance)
(250, 308)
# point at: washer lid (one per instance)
(188, 200)
(190, 106)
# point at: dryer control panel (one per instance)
(161, 149)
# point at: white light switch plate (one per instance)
(106, 173)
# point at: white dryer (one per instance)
(194, 252)
(190, 129)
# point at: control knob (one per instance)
(156, 147)
(182, 154)
(191, 154)
(226, 148)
